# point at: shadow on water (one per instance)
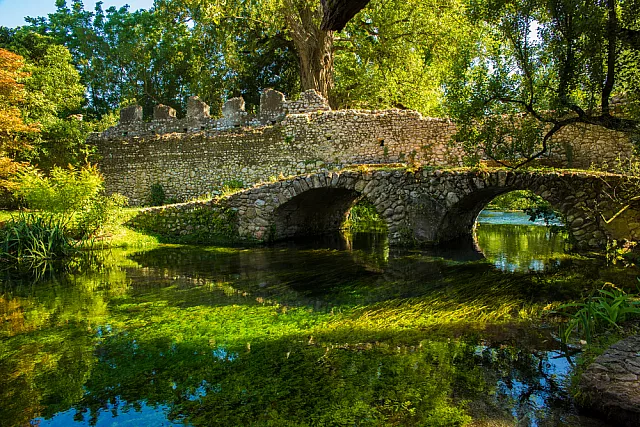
(339, 332)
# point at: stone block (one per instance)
(233, 112)
(132, 113)
(233, 107)
(271, 105)
(163, 112)
(197, 109)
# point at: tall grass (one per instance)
(32, 239)
(600, 312)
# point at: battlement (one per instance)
(274, 107)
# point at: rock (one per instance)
(610, 384)
(163, 112)
(132, 113)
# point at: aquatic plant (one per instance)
(605, 310)
(30, 238)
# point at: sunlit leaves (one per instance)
(555, 62)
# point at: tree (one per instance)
(53, 96)
(392, 54)
(14, 132)
(398, 53)
(123, 55)
(550, 64)
(296, 20)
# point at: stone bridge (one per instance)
(419, 207)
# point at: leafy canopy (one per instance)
(546, 65)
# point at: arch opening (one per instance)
(315, 212)
(323, 211)
(462, 218)
(520, 231)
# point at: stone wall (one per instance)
(196, 155)
(194, 222)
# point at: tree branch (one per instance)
(338, 12)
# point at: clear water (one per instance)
(338, 331)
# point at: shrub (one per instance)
(70, 198)
(102, 215)
(62, 194)
(157, 196)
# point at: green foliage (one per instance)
(515, 201)
(103, 215)
(54, 95)
(157, 195)
(53, 86)
(62, 194)
(33, 239)
(543, 67)
(71, 197)
(601, 312)
(364, 217)
(392, 54)
(523, 200)
(397, 54)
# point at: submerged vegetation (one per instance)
(318, 337)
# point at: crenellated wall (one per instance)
(195, 156)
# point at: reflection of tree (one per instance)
(47, 341)
(290, 381)
(520, 247)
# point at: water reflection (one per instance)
(512, 243)
(352, 334)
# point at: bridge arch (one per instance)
(423, 206)
(564, 194)
(308, 205)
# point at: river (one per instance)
(338, 331)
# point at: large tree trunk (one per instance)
(313, 45)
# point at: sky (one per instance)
(12, 12)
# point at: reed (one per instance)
(32, 239)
